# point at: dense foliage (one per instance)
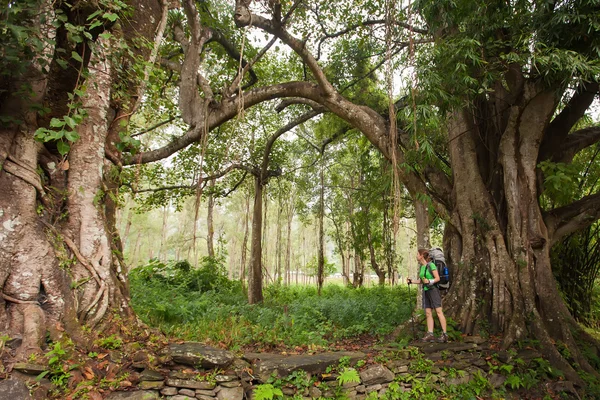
(204, 305)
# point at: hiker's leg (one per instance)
(441, 317)
(429, 316)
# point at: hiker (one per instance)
(428, 276)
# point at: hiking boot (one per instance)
(443, 338)
(428, 337)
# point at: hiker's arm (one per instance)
(436, 277)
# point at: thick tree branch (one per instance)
(243, 17)
(190, 102)
(194, 186)
(291, 125)
(233, 52)
(228, 109)
(576, 142)
(561, 125)
(572, 218)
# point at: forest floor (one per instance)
(72, 374)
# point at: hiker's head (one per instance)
(423, 255)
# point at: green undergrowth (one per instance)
(203, 305)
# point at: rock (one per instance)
(474, 339)
(458, 380)
(30, 369)
(182, 397)
(198, 354)
(429, 348)
(146, 385)
(189, 384)
(169, 391)
(376, 374)
(349, 385)
(503, 356)
(187, 392)
(373, 388)
(225, 378)
(231, 393)
(496, 380)
(150, 375)
(314, 392)
(209, 393)
(564, 386)
(288, 391)
(139, 395)
(182, 375)
(231, 384)
(14, 389)
(266, 364)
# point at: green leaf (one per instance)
(70, 121)
(72, 136)
(110, 16)
(63, 64)
(63, 148)
(95, 14)
(76, 56)
(56, 123)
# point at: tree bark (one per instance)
(320, 233)
(504, 273)
(245, 243)
(209, 221)
(255, 294)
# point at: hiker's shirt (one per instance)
(424, 273)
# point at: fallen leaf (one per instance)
(88, 373)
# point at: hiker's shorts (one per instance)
(432, 298)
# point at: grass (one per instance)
(289, 316)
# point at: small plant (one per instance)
(111, 342)
(446, 354)
(514, 381)
(59, 371)
(422, 365)
(267, 392)
(348, 375)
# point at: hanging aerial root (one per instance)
(17, 301)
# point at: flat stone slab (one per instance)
(265, 364)
(429, 348)
(138, 395)
(30, 369)
(14, 390)
(199, 355)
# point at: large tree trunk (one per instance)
(278, 244)
(245, 243)
(255, 294)
(209, 221)
(320, 233)
(288, 251)
(504, 278)
(60, 254)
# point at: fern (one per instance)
(267, 392)
(348, 375)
